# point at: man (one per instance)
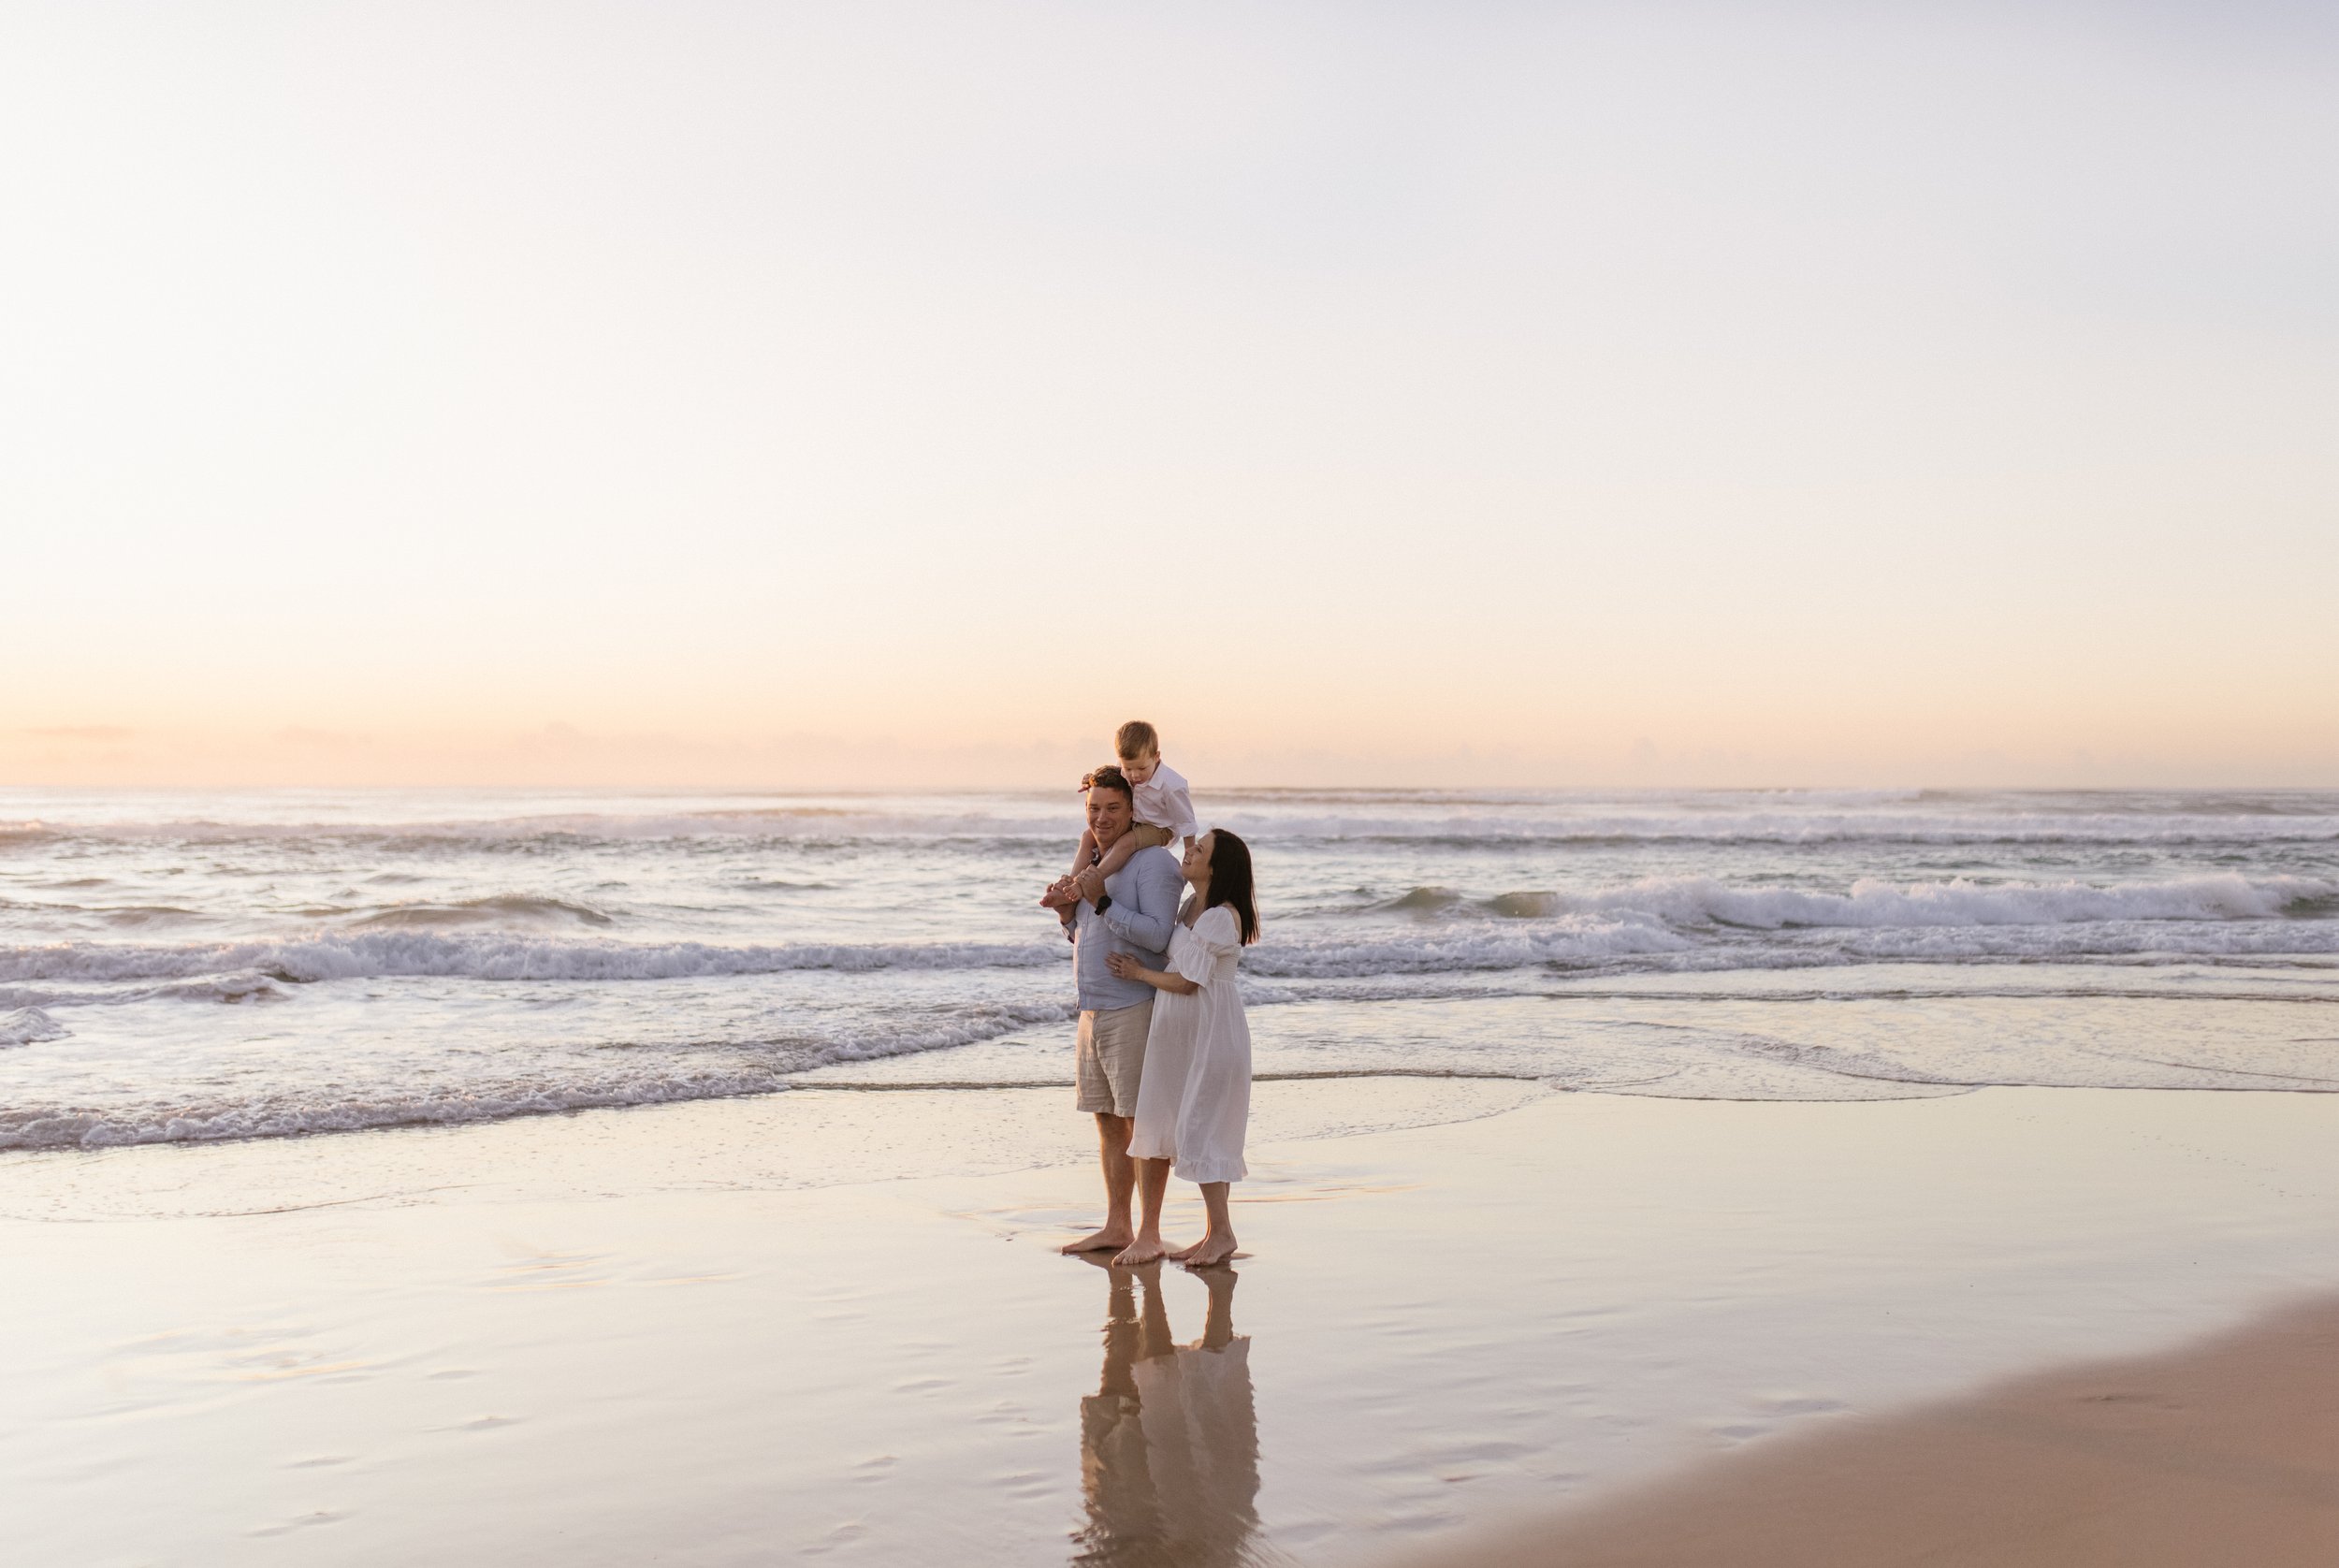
(1130, 911)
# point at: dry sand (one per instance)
(2225, 1452)
(619, 1337)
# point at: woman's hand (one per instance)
(1125, 967)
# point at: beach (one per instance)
(1752, 769)
(2223, 1451)
(622, 1177)
(689, 1334)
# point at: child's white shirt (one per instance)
(1162, 801)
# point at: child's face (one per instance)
(1140, 769)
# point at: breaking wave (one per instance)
(500, 908)
(754, 1068)
(29, 1026)
(222, 970)
(1692, 923)
(290, 1116)
(367, 955)
(1695, 901)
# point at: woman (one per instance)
(1194, 1099)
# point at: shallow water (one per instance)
(182, 966)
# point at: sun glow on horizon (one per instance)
(796, 396)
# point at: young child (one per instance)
(1164, 811)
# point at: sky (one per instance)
(1434, 394)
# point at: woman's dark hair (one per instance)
(1230, 880)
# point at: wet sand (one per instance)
(652, 1335)
(2223, 1452)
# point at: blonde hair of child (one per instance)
(1136, 738)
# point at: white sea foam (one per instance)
(496, 908)
(29, 1026)
(338, 1105)
(1693, 901)
(1960, 901)
(445, 957)
(1570, 940)
(1694, 922)
(371, 955)
(290, 1116)
(242, 986)
(1657, 921)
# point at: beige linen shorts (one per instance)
(1150, 838)
(1110, 1057)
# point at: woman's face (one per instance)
(1195, 866)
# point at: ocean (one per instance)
(181, 967)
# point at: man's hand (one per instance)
(1091, 883)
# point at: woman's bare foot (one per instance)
(1145, 1249)
(1216, 1248)
(1112, 1238)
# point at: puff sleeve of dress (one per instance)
(1211, 941)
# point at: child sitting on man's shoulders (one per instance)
(1163, 810)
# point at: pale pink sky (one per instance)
(829, 395)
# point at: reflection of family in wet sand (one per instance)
(1169, 1441)
(1163, 1058)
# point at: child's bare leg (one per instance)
(1118, 856)
(1082, 860)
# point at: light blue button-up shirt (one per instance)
(1145, 895)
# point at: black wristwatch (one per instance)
(1104, 902)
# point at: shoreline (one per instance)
(617, 1335)
(1886, 1030)
(2224, 1450)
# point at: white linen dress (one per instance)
(1193, 1101)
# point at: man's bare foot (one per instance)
(1145, 1249)
(1214, 1248)
(1112, 1238)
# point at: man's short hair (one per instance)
(1136, 738)
(1107, 778)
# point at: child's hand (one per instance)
(1125, 966)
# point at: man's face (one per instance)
(1108, 815)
